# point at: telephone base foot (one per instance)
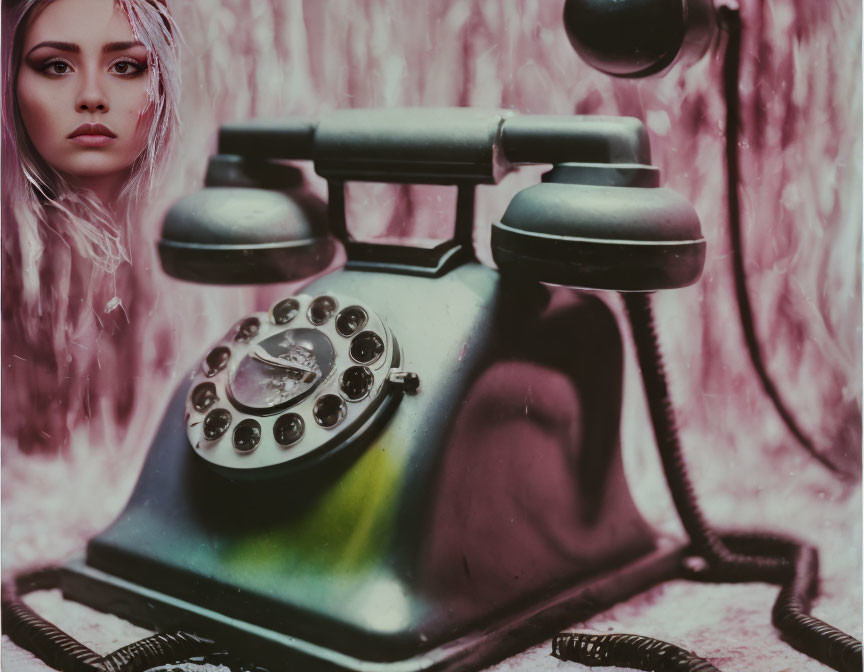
(486, 644)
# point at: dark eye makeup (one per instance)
(126, 67)
(54, 67)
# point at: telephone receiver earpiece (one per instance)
(253, 223)
(639, 38)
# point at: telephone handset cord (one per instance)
(732, 558)
(63, 652)
(738, 557)
(730, 20)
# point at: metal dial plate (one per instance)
(289, 382)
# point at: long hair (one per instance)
(64, 251)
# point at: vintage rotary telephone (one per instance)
(361, 474)
(413, 464)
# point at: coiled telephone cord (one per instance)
(736, 557)
(633, 651)
(739, 557)
(63, 652)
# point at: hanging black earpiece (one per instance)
(638, 38)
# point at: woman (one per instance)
(89, 110)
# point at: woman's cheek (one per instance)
(40, 112)
(30, 103)
(141, 118)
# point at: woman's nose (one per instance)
(91, 96)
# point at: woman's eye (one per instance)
(126, 68)
(56, 68)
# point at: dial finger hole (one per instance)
(288, 429)
(329, 410)
(216, 423)
(321, 310)
(356, 382)
(351, 320)
(285, 311)
(247, 436)
(247, 330)
(366, 347)
(203, 396)
(216, 360)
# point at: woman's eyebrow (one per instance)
(75, 49)
(121, 46)
(61, 46)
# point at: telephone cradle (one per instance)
(413, 463)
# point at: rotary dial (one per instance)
(297, 380)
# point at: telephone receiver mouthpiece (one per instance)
(639, 38)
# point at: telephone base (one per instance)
(490, 642)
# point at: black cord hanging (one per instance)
(730, 21)
(741, 556)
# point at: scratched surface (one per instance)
(801, 158)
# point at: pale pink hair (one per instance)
(66, 255)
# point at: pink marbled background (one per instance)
(801, 157)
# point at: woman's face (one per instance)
(82, 90)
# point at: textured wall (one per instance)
(801, 158)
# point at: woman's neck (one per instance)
(106, 188)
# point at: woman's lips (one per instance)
(92, 135)
(93, 140)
